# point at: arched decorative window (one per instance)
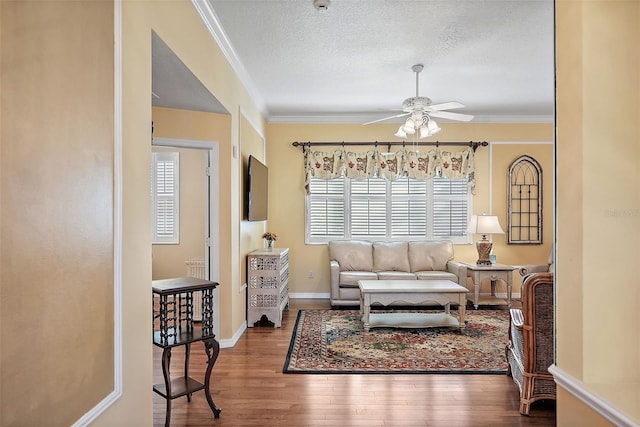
(525, 201)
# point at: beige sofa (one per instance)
(353, 260)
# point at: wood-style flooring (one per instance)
(249, 386)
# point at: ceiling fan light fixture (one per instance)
(418, 109)
(433, 127)
(401, 133)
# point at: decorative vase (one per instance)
(269, 245)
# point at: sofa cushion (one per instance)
(349, 279)
(352, 254)
(436, 275)
(390, 256)
(395, 275)
(430, 256)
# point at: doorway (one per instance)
(199, 217)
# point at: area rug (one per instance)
(334, 342)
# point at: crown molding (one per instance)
(212, 23)
(363, 118)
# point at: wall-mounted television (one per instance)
(258, 190)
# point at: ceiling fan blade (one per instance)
(445, 106)
(386, 118)
(451, 116)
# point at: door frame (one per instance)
(212, 221)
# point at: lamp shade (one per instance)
(484, 224)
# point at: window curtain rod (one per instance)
(473, 144)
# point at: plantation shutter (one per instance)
(450, 207)
(368, 207)
(408, 208)
(376, 209)
(326, 208)
(165, 197)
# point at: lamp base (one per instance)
(484, 250)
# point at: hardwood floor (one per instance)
(249, 386)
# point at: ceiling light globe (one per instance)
(433, 127)
(401, 133)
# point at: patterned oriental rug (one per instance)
(334, 342)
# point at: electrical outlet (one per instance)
(310, 274)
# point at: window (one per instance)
(165, 197)
(378, 209)
(525, 201)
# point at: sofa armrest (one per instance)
(517, 319)
(335, 278)
(533, 268)
(460, 270)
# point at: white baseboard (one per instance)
(309, 296)
(576, 388)
(234, 339)
(514, 295)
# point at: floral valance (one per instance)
(390, 165)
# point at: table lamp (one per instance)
(484, 225)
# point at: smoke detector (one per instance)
(321, 5)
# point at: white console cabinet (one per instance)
(268, 285)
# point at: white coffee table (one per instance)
(411, 292)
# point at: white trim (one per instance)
(309, 295)
(577, 389)
(253, 125)
(359, 118)
(522, 142)
(112, 397)
(212, 23)
(231, 342)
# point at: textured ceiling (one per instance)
(352, 62)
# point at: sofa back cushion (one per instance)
(552, 267)
(430, 256)
(352, 255)
(390, 256)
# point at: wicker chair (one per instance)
(530, 349)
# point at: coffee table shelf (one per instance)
(412, 320)
(442, 293)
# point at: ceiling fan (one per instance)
(420, 112)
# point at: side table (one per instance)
(268, 285)
(493, 272)
(173, 318)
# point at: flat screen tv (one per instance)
(258, 190)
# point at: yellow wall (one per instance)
(169, 260)
(56, 216)
(252, 143)
(573, 412)
(598, 207)
(286, 189)
(597, 308)
(179, 26)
